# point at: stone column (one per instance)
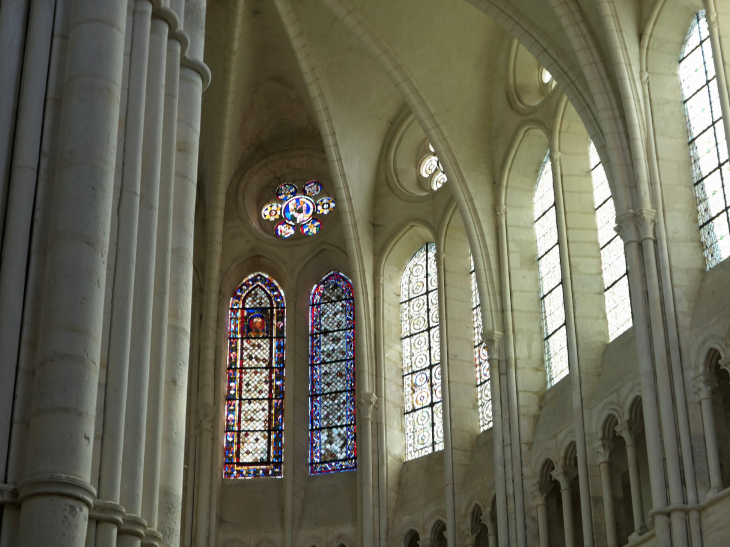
(449, 493)
(540, 490)
(603, 449)
(194, 77)
(23, 177)
(55, 493)
(564, 475)
(115, 402)
(637, 503)
(13, 18)
(150, 496)
(703, 385)
(382, 444)
(491, 524)
(366, 403)
(133, 530)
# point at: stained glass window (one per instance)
(254, 436)
(707, 144)
(430, 168)
(551, 280)
(613, 259)
(484, 387)
(297, 209)
(421, 354)
(332, 444)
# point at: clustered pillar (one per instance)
(60, 168)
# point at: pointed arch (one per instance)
(254, 417)
(332, 444)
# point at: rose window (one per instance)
(295, 210)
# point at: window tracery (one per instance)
(421, 354)
(551, 282)
(484, 387)
(297, 209)
(707, 140)
(332, 444)
(430, 168)
(254, 428)
(613, 258)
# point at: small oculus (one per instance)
(430, 168)
(297, 209)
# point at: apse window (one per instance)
(551, 281)
(332, 445)
(707, 140)
(421, 354)
(254, 417)
(613, 259)
(481, 355)
(430, 168)
(294, 210)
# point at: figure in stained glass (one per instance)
(420, 340)
(254, 428)
(332, 443)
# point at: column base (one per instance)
(107, 511)
(133, 525)
(57, 485)
(8, 494)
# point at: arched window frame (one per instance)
(481, 356)
(421, 344)
(613, 258)
(707, 140)
(255, 394)
(332, 439)
(550, 272)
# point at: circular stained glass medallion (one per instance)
(298, 210)
(311, 228)
(286, 191)
(284, 230)
(325, 205)
(271, 211)
(312, 188)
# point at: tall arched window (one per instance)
(707, 143)
(613, 259)
(254, 436)
(421, 354)
(484, 388)
(332, 444)
(551, 280)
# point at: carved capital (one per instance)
(470, 531)
(644, 77)
(626, 228)
(501, 212)
(703, 385)
(492, 340)
(645, 221)
(564, 475)
(540, 490)
(205, 417)
(366, 402)
(627, 430)
(603, 449)
(440, 257)
(555, 155)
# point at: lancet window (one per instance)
(613, 259)
(332, 445)
(484, 388)
(421, 354)
(551, 281)
(254, 428)
(708, 147)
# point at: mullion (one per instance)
(556, 330)
(612, 285)
(539, 258)
(702, 41)
(545, 212)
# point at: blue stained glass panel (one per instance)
(332, 429)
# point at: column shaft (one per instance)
(144, 278)
(55, 493)
(567, 497)
(21, 195)
(703, 385)
(608, 505)
(112, 443)
(499, 466)
(542, 524)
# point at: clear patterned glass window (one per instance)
(484, 387)
(707, 144)
(613, 259)
(332, 445)
(551, 281)
(254, 429)
(421, 354)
